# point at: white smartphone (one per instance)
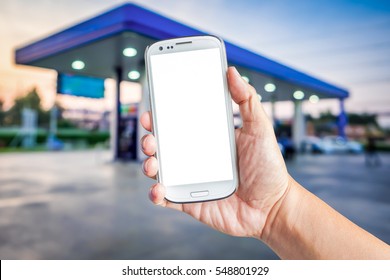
(192, 118)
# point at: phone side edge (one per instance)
(152, 106)
(229, 114)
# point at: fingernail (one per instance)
(238, 75)
(236, 72)
(144, 166)
(144, 143)
(150, 194)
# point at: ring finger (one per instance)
(150, 167)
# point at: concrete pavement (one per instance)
(76, 205)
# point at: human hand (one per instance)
(262, 173)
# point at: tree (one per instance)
(327, 117)
(363, 119)
(2, 113)
(32, 101)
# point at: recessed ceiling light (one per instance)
(298, 95)
(129, 52)
(269, 87)
(78, 65)
(314, 99)
(133, 75)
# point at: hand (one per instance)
(263, 175)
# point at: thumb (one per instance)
(245, 96)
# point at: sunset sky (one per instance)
(346, 43)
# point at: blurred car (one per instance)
(331, 145)
(286, 146)
(311, 144)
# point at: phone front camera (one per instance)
(160, 48)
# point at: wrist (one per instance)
(282, 214)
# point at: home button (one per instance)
(200, 194)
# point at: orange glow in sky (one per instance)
(347, 44)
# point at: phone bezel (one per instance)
(219, 189)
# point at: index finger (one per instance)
(146, 121)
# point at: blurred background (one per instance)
(72, 87)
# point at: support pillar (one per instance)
(299, 125)
(342, 119)
(53, 121)
(116, 116)
(273, 112)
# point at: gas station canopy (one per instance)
(117, 39)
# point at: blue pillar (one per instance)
(115, 132)
(342, 120)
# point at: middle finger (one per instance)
(148, 144)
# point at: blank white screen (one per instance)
(191, 117)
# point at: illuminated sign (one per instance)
(77, 85)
